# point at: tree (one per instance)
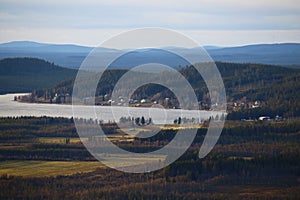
(179, 120)
(143, 120)
(217, 117)
(150, 121)
(222, 118)
(137, 120)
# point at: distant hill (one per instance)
(71, 56)
(26, 74)
(28, 46)
(276, 54)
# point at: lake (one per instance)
(10, 108)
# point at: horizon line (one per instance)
(208, 45)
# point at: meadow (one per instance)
(46, 168)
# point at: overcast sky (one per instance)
(209, 22)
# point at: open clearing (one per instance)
(47, 168)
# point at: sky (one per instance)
(209, 22)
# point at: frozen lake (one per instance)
(8, 107)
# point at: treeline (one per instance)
(277, 87)
(237, 138)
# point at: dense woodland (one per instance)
(20, 75)
(252, 160)
(274, 86)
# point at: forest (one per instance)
(275, 88)
(42, 157)
(22, 75)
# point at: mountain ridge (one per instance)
(71, 56)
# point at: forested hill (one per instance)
(26, 74)
(239, 80)
(276, 88)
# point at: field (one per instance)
(46, 168)
(59, 140)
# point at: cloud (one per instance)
(200, 15)
(232, 14)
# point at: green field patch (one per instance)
(47, 168)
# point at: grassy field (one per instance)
(46, 168)
(59, 140)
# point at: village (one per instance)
(167, 103)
